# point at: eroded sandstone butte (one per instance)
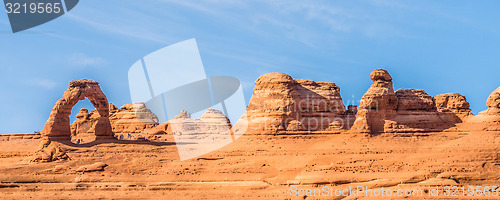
(382, 110)
(281, 103)
(453, 102)
(377, 104)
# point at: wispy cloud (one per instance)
(43, 83)
(83, 60)
(121, 27)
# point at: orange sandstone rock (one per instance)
(417, 112)
(57, 126)
(493, 103)
(377, 104)
(129, 119)
(453, 102)
(382, 110)
(488, 120)
(132, 118)
(281, 103)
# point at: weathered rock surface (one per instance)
(211, 122)
(281, 103)
(488, 120)
(493, 103)
(98, 166)
(377, 104)
(48, 152)
(83, 122)
(129, 119)
(414, 99)
(58, 124)
(132, 118)
(453, 102)
(27, 136)
(417, 112)
(195, 137)
(382, 110)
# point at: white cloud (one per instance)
(43, 83)
(83, 60)
(134, 29)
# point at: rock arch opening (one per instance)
(82, 119)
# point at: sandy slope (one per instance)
(255, 167)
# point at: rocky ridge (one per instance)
(281, 103)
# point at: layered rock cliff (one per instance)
(132, 118)
(281, 103)
(382, 110)
(417, 112)
(453, 102)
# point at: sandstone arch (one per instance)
(57, 126)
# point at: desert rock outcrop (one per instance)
(417, 112)
(98, 166)
(281, 103)
(132, 118)
(453, 102)
(211, 122)
(488, 120)
(82, 123)
(377, 104)
(129, 119)
(382, 110)
(493, 103)
(57, 126)
(49, 151)
(414, 99)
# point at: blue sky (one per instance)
(438, 46)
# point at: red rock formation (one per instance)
(453, 102)
(82, 123)
(211, 122)
(493, 103)
(281, 103)
(382, 110)
(417, 112)
(488, 120)
(377, 104)
(132, 118)
(129, 119)
(49, 151)
(58, 124)
(414, 99)
(195, 137)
